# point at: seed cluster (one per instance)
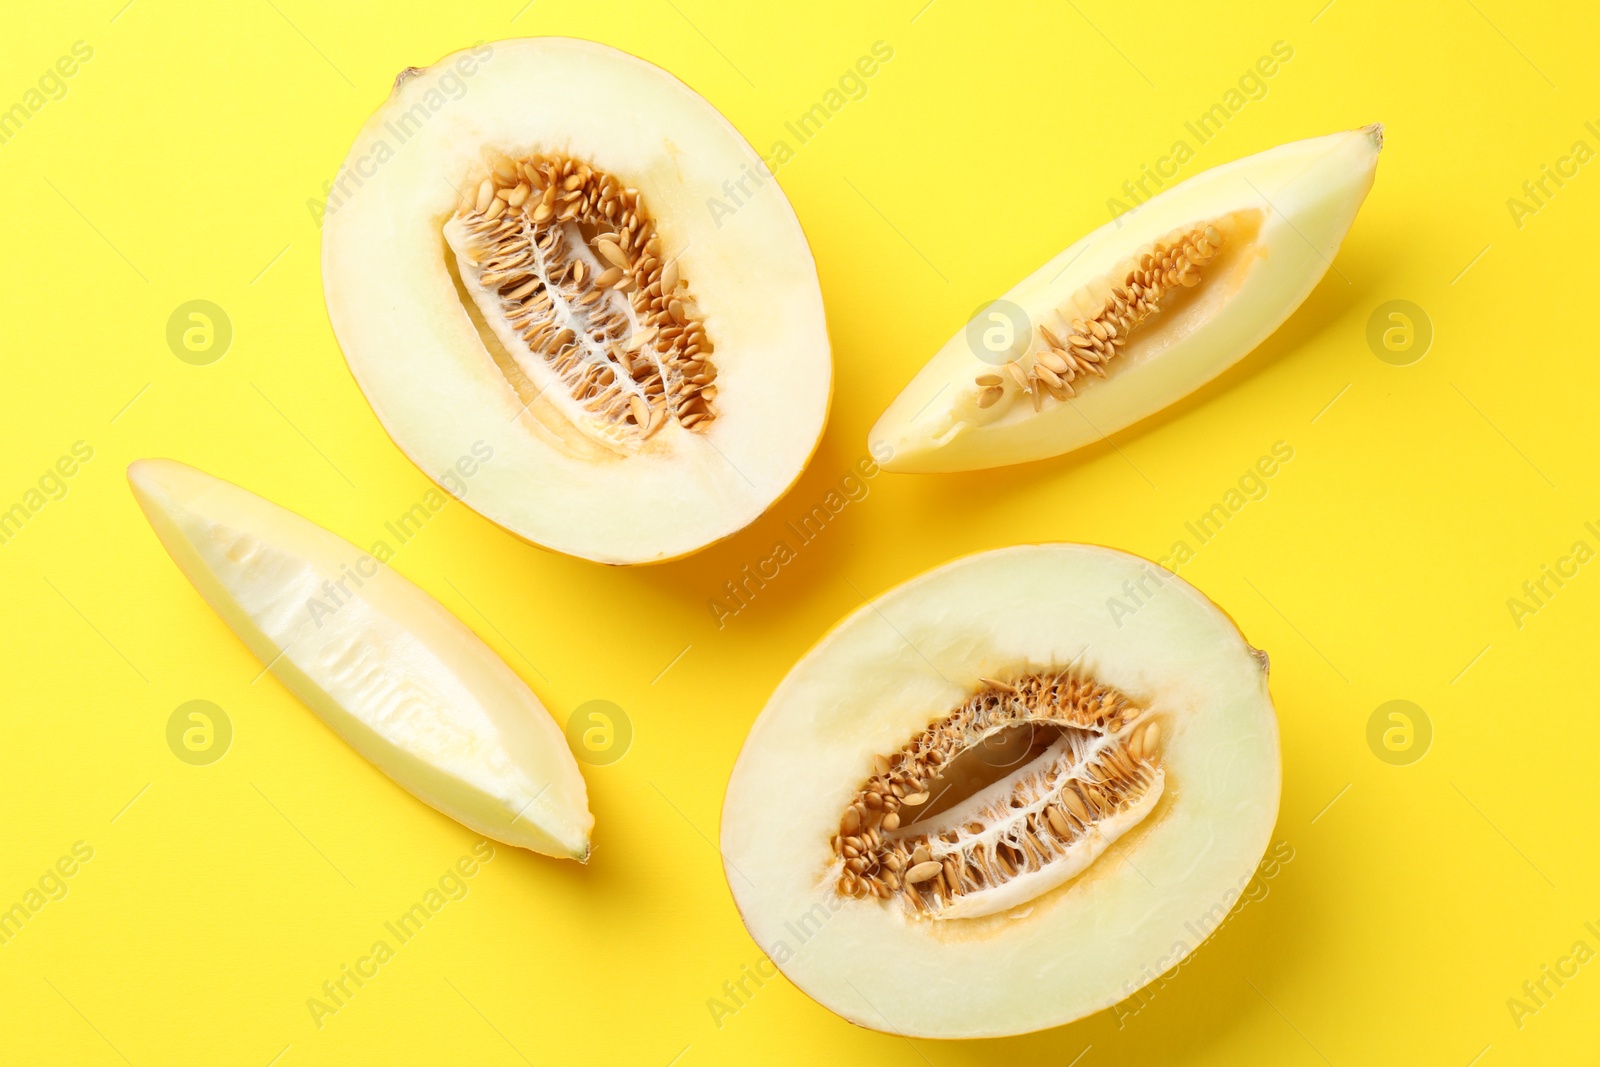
(576, 268)
(1171, 264)
(1107, 760)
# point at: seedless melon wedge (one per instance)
(980, 807)
(380, 661)
(1137, 315)
(519, 251)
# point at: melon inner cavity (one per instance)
(565, 267)
(1107, 318)
(1014, 793)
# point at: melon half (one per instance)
(986, 804)
(519, 253)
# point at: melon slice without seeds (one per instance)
(380, 661)
(981, 806)
(1135, 316)
(531, 248)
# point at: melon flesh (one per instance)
(381, 662)
(1279, 217)
(423, 336)
(1046, 947)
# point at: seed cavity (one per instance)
(1015, 792)
(567, 268)
(1168, 266)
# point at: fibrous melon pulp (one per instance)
(991, 808)
(526, 257)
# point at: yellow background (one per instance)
(219, 898)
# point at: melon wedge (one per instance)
(381, 662)
(524, 251)
(1135, 316)
(980, 806)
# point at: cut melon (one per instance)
(1135, 316)
(525, 256)
(985, 804)
(381, 662)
